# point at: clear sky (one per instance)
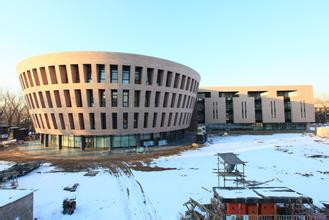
(232, 42)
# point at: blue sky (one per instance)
(229, 43)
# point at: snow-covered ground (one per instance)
(292, 159)
(5, 165)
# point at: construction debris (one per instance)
(18, 170)
(69, 205)
(72, 188)
(91, 173)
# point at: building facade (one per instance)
(321, 112)
(107, 100)
(256, 107)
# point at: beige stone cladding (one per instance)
(106, 93)
(274, 103)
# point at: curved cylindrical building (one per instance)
(107, 100)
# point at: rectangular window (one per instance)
(149, 76)
(71, 121)
(114, 121)
(103, 120)
(102, 99)
(169, 119)
(114, 73)
(176, 117)
(63, 73)
(57, 99)
(173, 99)
(125, 120)
(36, 77)
(184, 101)
(47, 120)
(188, 83)
(165, 99)
(179, 100)
(176, 82)
(43, 105)
(61, 119)
(180, 119)
(169, 79)
(137, 98)
(114, 98)
(125, 74)
(138, 74)
(52, 73)
(25, 80)
(155, 115)
(147, 98)
(136, 120)
(101, 74)
(30, 78)
(157, 99)
(163, 117)
(78, 99)
(146, 117)
(81, 121)
(92, 121)
(182, 83)
(160, 78)
(75, 73)
(67, 98)
(125, 98)
(48, 97)
(53, 119)
(87, 73)
(35, 100)
(43, 76)
(90, 98)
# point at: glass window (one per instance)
(114, 98)
(102, 99)
(125, 100)
(125, 74)
(160, 78)
(157, 99)
(101, 75)
(125, 120)
(92, 121)
(147, 98)
(90, 97)
(146, 117)
(114, 73)
(88, 75)
(75, 73)
(149, 76)
(114, 121)
(163, 116)
(155, 116)
(136, 120)
(169, 78)
(138, 74)
(103, 120)
(137, 98)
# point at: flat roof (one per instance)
(230, 158)
(8, 196)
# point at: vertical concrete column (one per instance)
(41, 138)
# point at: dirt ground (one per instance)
(84, 160)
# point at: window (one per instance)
(71, 121)
(81, 121)
(114, 121)
(155, 115)
(175, 120)
(149, 76)
(67, 98)
(53, 119)
(92, 121)
(78, 99)
(30, 78)
(173, 99)
(169, 79)
(36, 100)
(125, 74)
(63, 73)
(102, 99)
(57, 99)
(114, 73)
(101, 75)
(160, 78)
(184, 101)
(138, 74)
(125, 100)
(182, 84)
(52, 73)
(157, 99)
(43, 76)
(137, 98)
(125, 120)
(188, 83)
(87, 73)
(179, 100)
(147, 98)
(50, 103)
(163, 117)
(169, 119)
(103, 120)
(36, 77)
(75, 73)
(61, 119)
(114, 98)
(146, 117)
(47, 120)
(165, 100)
(90, 98)
(136, 120)
(42, 101)
(176, 82)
